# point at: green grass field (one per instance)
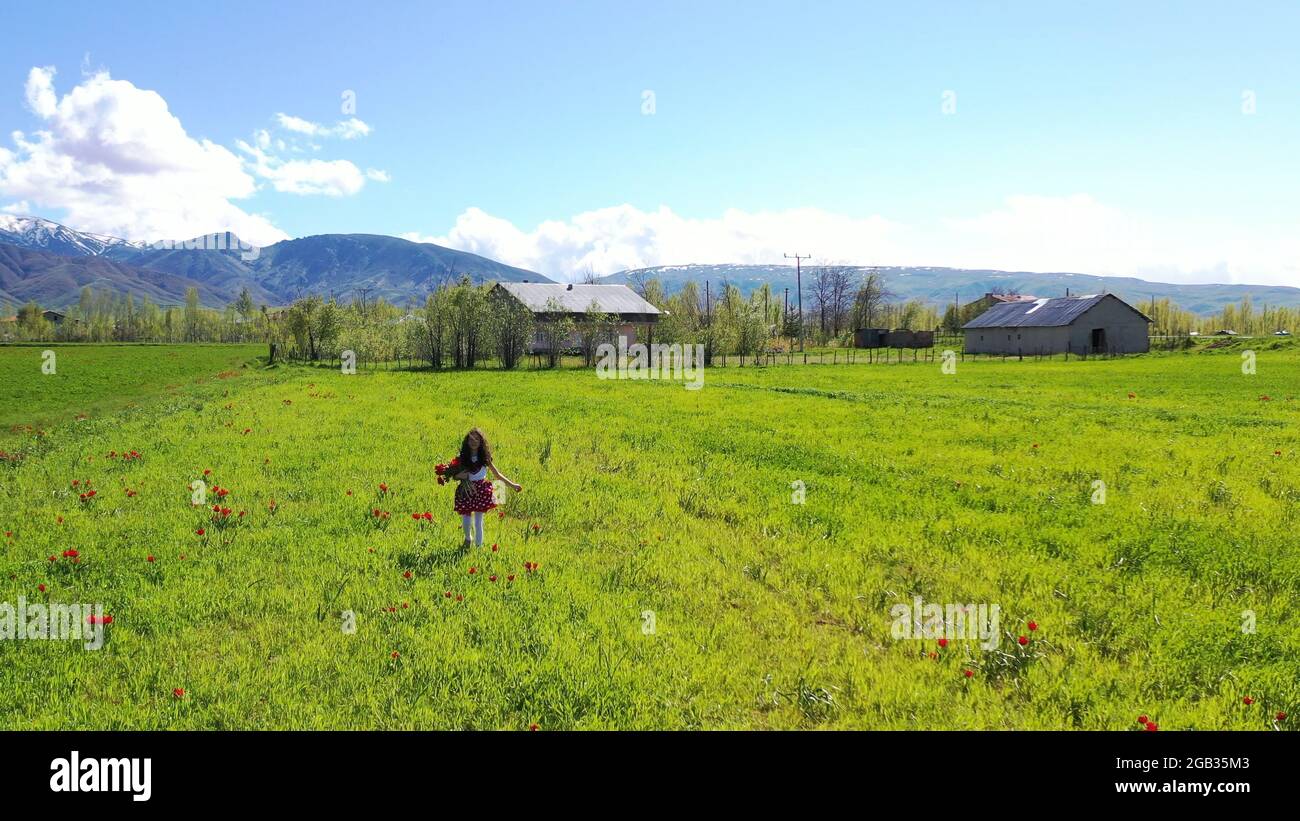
(975, 487)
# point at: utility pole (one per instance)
(798, 281)
(785, 312)
(362, 293)
(708, 323)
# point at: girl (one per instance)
(474, 493)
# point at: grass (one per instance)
(90, 380)
(658, 506)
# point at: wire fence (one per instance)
(942, 344)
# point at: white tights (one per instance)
(478, 527)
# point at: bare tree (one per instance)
(832, 296)
(869, 301)
(639, 279)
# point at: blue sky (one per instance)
(1098, 137)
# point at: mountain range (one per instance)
(940, 286)
(49, 263)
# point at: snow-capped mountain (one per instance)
(45, 235)
(47, 262)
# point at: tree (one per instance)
(594, 328)
(512, 325)
(191, 314)
(301, 321)
(556, 327)
(868, 301)
(31, 322)
(244, 305)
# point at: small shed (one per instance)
(870, 337)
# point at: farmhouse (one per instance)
(1100, 323)
(550, 300)
(973, 309)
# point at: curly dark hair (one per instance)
(470, 461)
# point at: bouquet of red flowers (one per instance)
(448, 471)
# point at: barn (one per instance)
(1095, 324)
(546, 300)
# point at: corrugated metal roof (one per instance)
(1040, 312)
(576, 299)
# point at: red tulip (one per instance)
(1033, 625)
(179, 692)
(40, 587)
(968, 673)
(943, 643)
(1247, 700)
(532, 728)
(1152, 727)
(406, 575)
(511, 577)
(149, 558)
(460, 597)
(492, 578)
(473, 570)
(1023, 640)
(1142, 719)
(447, 594)
(199, 532)
(494, 548)
(1281, 716)
(396, 654)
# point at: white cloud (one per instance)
(349, 129)
(1027, 233)
(117, 161)
(41, 98)
(297, 124)
(612, 239)
(332, 178)
(21, 208)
